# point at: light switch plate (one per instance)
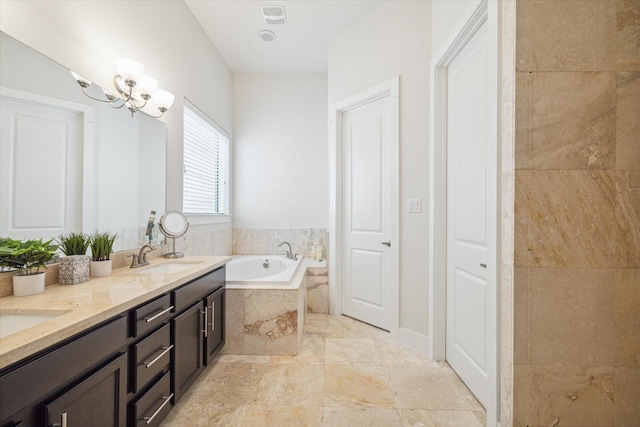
(414, 205)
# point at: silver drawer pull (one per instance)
(167, 399)
(158, 357)
(205, 323)
(62, 423)
(155, 316)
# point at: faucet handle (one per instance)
(134, 260)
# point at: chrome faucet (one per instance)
(289, 253)
(140, 259)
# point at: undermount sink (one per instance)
(10, 323)
(170, 267)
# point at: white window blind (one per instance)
(206, 158)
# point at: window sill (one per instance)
(208, 219)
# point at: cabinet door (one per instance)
(187, 334)
(98, 401)
(214, 335)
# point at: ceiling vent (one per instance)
(267, 36)
(274, 15)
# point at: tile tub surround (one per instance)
(265, 241)
(263, 321)
(90, 303)
(347, 373)
(317, 289)
(577, 213)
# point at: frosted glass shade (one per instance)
(80, 79)
(129, 69)
(146, 85)
(163, 99)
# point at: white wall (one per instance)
(86, 36)
(280, 168)
(445, 14)
(395, 39)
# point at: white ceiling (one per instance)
(301, 43)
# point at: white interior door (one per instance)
(41, 164)
(471, 220)
(367, 251)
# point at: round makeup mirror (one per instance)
(174, 224)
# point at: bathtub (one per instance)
(262, 272)
(265, 305)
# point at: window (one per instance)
(205, 165)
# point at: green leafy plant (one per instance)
(26, 256)
(102, 245)
(74, 243)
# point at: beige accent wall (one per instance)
(577, 213)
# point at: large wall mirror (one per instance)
(68, 163)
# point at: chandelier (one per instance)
(136, 90)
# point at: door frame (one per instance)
(471, 20)
(391, 89)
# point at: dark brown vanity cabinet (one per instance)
(187, 338)
(98, 401)
(198, 329)
(79, 382)
(127, 371)
(214, 334)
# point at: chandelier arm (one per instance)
(150, 115)
(84, 90)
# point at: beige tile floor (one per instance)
(347, 374)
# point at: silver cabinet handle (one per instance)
(205, 322)
(158, 357)
(213, 317)
(387, 243)
(62, 423)
(155, 316)
(167, 399)
(483, 265)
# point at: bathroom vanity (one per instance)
(125, 350)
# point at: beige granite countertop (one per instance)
(89, 303)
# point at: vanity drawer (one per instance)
(152, 356)
(155, 404)
(151, 315)
(198, 289)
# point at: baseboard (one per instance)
(413, 339)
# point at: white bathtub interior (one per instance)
(261, 269)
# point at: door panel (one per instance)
(471, 219)
(367, 216)
(40, 153)
(367, 285)
(188, 351)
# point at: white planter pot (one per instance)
(28, 285)
(101, 268)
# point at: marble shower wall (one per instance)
(577, 213)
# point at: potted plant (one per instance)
(27, 257)
(101, 247)
(74, 268)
